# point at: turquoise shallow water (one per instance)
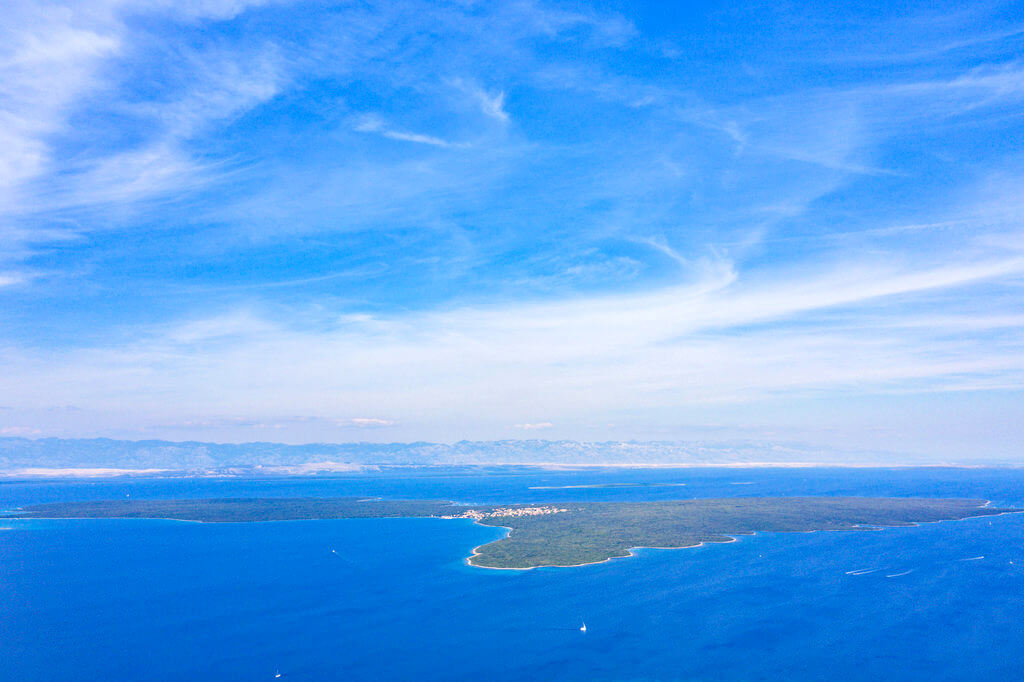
(162, 600)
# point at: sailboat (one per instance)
(583, 628)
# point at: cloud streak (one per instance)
(372, 124)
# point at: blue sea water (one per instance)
(165, 600)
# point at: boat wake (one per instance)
(897, 575)
(863, 571)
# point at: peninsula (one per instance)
(561, 534)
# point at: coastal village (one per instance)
(476, 514)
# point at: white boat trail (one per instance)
(897, 575)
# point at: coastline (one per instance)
(630, 553)
(687, 540)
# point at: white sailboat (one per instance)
(583, 628)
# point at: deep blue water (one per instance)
(164, 600)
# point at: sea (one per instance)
(393, 599)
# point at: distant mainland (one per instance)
(104, 457)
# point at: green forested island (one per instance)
(560, 534)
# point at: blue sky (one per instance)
(298, 221)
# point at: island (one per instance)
(560, 534)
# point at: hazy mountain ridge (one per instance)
(17, 453)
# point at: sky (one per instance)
(359, 221)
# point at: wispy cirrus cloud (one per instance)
(429, 218)
(374, 124)
(491, 104)
(64, 172)
(720, 341)
(46, 63)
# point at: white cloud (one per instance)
(125, 177)
(59, 64)
(365, 422)
(490, 104)
(534, 427)
(714, 341)
(240, 324)
(494, 105)
(221, 85)
(19, 431)
(373, 124)
(10, 278)
(46, 63)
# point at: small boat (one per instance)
(277, 674)
(583, 628)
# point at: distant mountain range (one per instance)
(22, 453)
